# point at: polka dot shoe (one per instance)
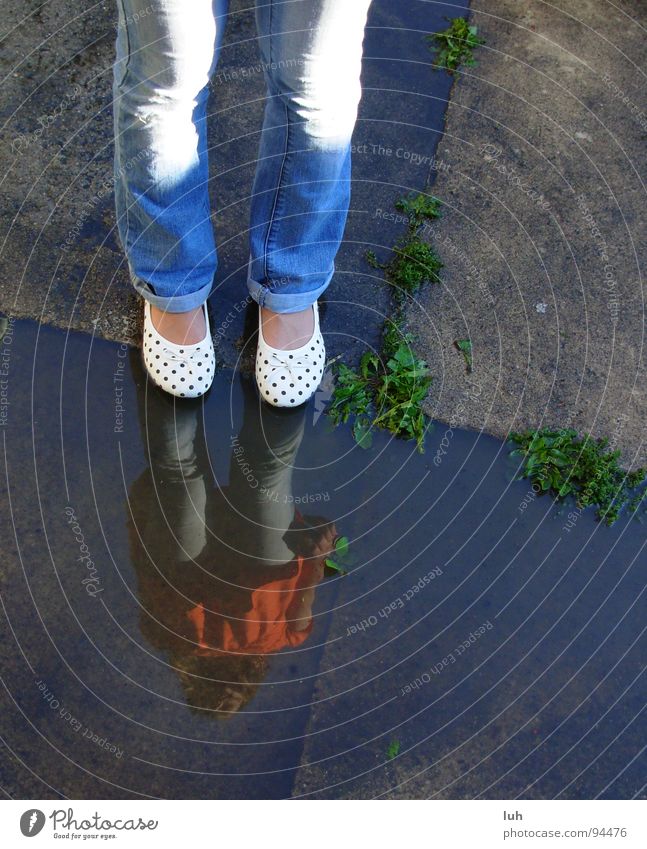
(289, 378)
(183, 370)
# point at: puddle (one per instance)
(169, 629)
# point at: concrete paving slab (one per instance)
(543, 235)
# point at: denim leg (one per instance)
(312, 56)
(166, 52)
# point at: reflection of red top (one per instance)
(265, 628)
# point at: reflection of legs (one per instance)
(166, 53)
(311, 52)
(260, 478)
(172, 517)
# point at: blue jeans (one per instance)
(166, 53)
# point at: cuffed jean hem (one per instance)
(175, 303)
(284, 302)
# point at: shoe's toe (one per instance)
(287, 378)
(186, 371)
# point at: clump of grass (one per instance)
(383, 393)
(454, 46)
(393, 749)
(465, 347)
(414, 262)
(387, 391)
(419, 206)
(563, 463)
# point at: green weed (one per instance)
(387, 390)
(385, 394)
(565, 464)
(454, 46)
(393, 750)
(465, 347)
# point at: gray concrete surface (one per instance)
(543, 236)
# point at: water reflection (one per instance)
(227, 574)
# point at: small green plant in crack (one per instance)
(414, 262)
(563, 463)
(387, 391)
(385, 394)
(419, 206)
(455, 45)
(465, 347)
(393, 749)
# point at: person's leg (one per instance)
(312, 52)
(166, 53)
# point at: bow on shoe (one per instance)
(276, 361)
(186, 359)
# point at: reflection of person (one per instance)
(226, 575)
(166, 53)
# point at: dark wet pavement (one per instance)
(170, 630)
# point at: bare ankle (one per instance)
(180, 328)
(287, 331)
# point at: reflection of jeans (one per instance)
(166, 52)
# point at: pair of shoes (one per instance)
(289, 378)
(186, 371)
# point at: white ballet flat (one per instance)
(289, 378)
(186, 371)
